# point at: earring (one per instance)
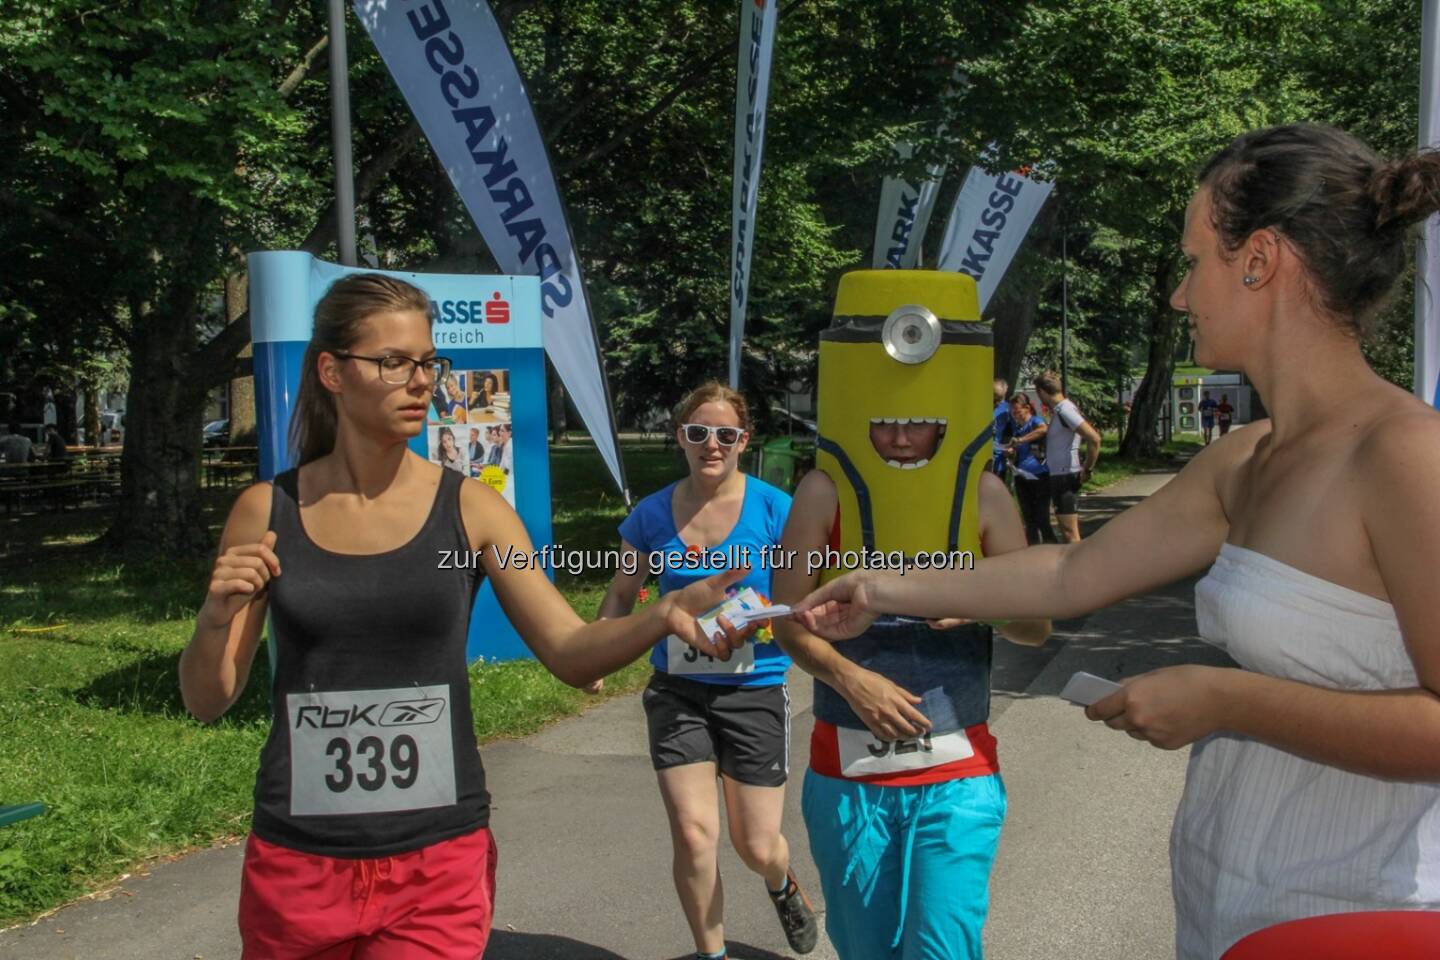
(1250, 281)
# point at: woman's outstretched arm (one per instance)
(575, 651)
(1174, 532)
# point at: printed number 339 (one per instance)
(403, 770)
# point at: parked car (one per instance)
(217, 433)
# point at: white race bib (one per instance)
(861, 755)
(681, 658)
(370, 751)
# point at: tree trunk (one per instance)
(65, 414)
(164, 410)
(1154, 390)
(92, 416)
(242, 389)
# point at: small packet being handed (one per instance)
(743, 608)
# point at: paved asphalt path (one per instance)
(584, 856)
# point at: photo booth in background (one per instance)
(488, 421)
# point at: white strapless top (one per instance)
(1263, 836)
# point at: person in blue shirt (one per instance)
(1032, 476)
(1207, 416)
(709, 717)
(1003, 434)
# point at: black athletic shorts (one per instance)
(746, 730)
(1064, 489)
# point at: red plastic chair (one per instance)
(1391, 935)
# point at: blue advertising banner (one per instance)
(487, 421)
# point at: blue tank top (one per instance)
(650, 528)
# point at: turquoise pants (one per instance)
(905, 870)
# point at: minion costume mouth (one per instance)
(927, 451)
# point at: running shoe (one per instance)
(797, 917)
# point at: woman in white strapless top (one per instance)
(1314, 781)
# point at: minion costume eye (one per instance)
(911, 333)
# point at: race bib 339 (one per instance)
(370, 751)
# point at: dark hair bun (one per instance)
(1406, 191)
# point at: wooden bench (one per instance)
(227, 470)
(69, 483)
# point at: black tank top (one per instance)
(372, 748)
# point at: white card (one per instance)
(1086, 688)
(771, 612)
(739, 609)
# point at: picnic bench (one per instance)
(228, 464)
(58, 483)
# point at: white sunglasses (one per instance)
(699, 433)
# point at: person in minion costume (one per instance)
(903, 799)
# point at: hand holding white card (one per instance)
(765, 613)
(1086, 688)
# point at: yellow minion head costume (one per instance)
(907, 353)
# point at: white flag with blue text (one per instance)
(992, 214)
(451, 61)
(752, 93)
(905, 209)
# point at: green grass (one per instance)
(91, 721)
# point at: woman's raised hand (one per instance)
(681, 608)
(242, 573)
(841, 609)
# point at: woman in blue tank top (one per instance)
(370, 831)
(708, 717)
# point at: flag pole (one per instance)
(1427, 251)
(340, 136)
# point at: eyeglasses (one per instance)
(397, 369)
(699, 433)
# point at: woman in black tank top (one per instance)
(371, 812)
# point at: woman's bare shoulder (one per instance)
(1405, 438)
(816, 491)
(480, 506)
(250, 515)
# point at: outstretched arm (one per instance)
(1173, 533)
(575, 651)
